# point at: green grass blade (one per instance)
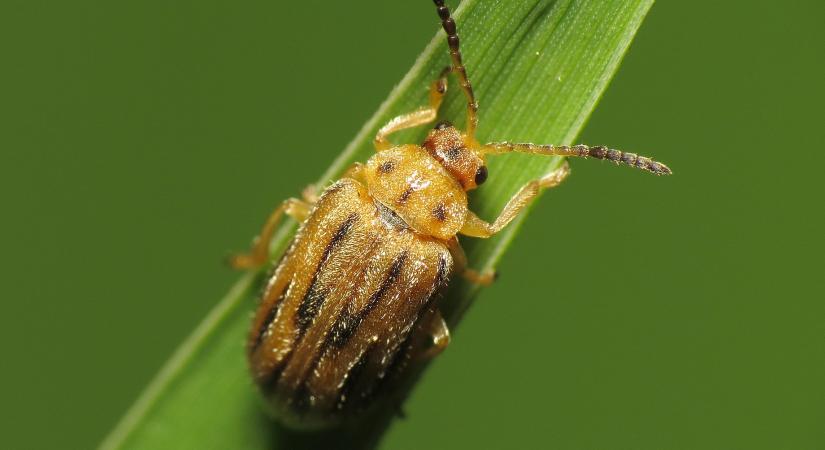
(539, 67)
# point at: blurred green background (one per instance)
(143, 141)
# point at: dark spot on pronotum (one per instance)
(440, 212)
(405, 195)
(481, 175)
(443, 125)
(386, 167)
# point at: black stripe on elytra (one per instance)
(270, 317)
(314, 297)
(351, 379)
(268, 382)
(309, 307)
(398, 360)
(399, 357)
(301, 400)
(345, 326)
(442, 273)
(348, 321)
(441, 278)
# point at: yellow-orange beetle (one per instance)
(354, 299)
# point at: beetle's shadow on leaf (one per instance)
(361, 437)
(284, 438)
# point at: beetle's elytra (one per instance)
(354, 300)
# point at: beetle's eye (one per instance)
(442, 125)
(481, 175)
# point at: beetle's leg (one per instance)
(310, 194)
(438, 332)
(415, 118)
(258, 256)
(355, 171)
(476, 227)
(485, 278)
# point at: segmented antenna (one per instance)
(581, 151)
(458, 67)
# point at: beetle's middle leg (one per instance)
(485, 278)
(476, 227)
(259, 254)
(424, 115)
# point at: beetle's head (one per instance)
(450, 147)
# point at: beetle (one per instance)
(353, 302)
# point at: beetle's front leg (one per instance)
(259, 254)
(476, 227)
(424, 115)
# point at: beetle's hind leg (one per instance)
(259, 254)
(424, 115)
(438, 335)
(476, 227)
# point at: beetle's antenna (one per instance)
(581, 151)
(458, 67)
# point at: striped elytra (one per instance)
(339, 307)
(353, 305)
